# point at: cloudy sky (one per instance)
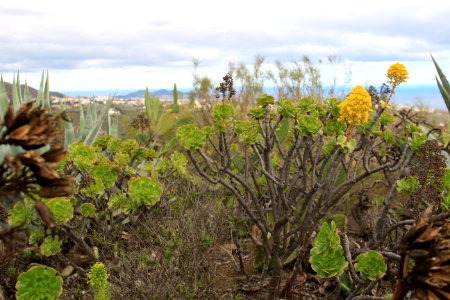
(96, 44)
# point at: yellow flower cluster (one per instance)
(397, 74)
(356, 107)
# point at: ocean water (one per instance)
(423, 95)
(94, 93)
(427, 95)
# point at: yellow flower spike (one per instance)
(356, 107)
(397, 74)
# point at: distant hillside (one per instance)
(33, 91)
(163, 93)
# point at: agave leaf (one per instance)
(46, 99)
(93, 110)
(69, 134)
(26, 94)
(166, 123)
(170, 135)
(84, 127)
(90, 138)
(152, 108)
(184, 121)
(445, 94)
(4, 150)
(19, 90)
(113, 125)
(441, 74)
(444, 86)
(4, 100)
(15, 95)
(89, 122)
(40, 95)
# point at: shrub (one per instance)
(291, 163)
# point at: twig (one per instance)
(348, 257)
(391, 255)
(79, 241)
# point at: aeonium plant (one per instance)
(33, 193)
(290, 163)
(120, 176)
(39, 282)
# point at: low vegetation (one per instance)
(244, 197)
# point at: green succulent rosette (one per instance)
(327, 256)
(371, 265)
(40, 283)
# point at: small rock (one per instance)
(67, 271)
(230, 248)
(2, 293)
(138, 283)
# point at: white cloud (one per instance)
(111, 44)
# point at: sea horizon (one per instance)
(427, 95)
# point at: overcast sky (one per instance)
(96, 44)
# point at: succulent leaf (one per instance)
(39, 282)
(248, 131)
(87, 210)
(51, 246)
(82, 155)
(256, 113)
(371, 265)
(265, 100)
(144, 190)
(20, 215)
(222, 115)
(309, 125)
(327, 255)
(408, 185)
(61, 209)
(190, 137)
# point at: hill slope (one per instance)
(33, 91)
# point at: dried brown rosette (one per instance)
(31, 128)
(141, 122)
(425, 261)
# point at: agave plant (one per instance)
(90, 123)
(443, 84)
(163, 124)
